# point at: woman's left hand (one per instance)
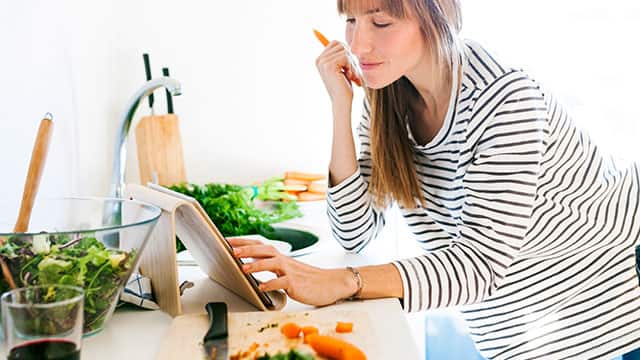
(302, 282)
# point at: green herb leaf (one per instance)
(231, 207)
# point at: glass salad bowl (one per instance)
(93, 243)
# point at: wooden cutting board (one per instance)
(160, 150)
(184, 338)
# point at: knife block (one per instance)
(184, 217)
(160, 150)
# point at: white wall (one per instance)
(35, 68)
(253, 104)
(585, 51)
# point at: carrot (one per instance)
(317, 188)
(325, 42)
(303, 176)
(295, 188)
(294, 196)
(321, 37)
(296, 182)
(344, 327)
(290, 330)
(334, 348)
(309, 330)
(309, 196)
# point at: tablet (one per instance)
(213, 253)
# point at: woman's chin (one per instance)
(377, 83)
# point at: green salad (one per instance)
(80, 260)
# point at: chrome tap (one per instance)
(120, 151)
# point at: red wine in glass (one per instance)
(46, 349)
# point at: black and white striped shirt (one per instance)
(529, 228)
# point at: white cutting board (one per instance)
(184, 338)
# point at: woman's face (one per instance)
(386, 47)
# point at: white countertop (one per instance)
(137, 334)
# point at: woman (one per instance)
(526, 225)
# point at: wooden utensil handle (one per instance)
(32, 183)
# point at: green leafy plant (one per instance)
(83, 261)
(232, 209)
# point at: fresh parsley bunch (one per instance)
(232, 208)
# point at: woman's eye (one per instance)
(351, 20)
(381, 25)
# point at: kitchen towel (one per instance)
(138, 292)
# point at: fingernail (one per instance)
(236, 252)
(245, 268)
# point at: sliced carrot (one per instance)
(309, 196)
(319, 188)
(309, 330)
(290, 330)
(303, 176)
(296, 182)
(334, 348)
(344, 327)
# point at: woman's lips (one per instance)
(368, 66)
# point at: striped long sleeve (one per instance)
(529, 225)
(353, 218)
(499, 185)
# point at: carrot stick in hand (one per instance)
(324, 41)
(321, 37)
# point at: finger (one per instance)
(338, 64)
(256, 251)
(330, 53)
(335, 44)
(351, 75)
(243, 242)
(271, 264)
(339, 57)
(354, 78)
(334, 63)
(281, 283)
(342, 64)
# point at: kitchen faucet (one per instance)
(112, 213)
(120, 151)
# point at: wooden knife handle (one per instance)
(38, 158)
(217, 321)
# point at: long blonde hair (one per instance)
(393, 171)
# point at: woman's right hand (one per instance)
(337, 73)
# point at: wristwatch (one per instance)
(358, 278)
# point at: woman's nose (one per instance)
(360, 41)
